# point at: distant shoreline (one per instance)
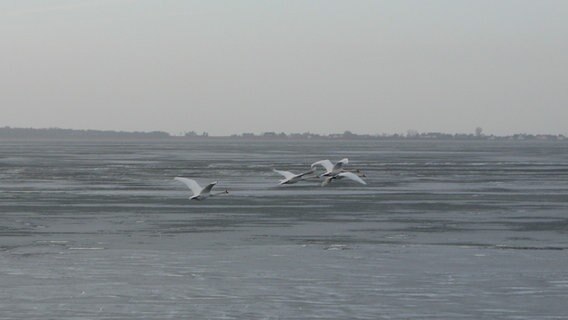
(32, 134)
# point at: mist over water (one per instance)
(443, 230)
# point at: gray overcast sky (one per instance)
(294, 66)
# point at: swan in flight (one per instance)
(330, 168)
(345, 174)
(336, 172)
(290, 177)
(199, 193)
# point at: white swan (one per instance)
(198, 192)
(331, 169)
(345, 174)
(336, 172)
(290, 177)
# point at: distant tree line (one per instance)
(411, 134)
(57, 133)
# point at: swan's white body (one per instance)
(330, 168)
(290, 178)
(199, 193)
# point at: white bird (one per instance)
(199, 193)
(336, 172)
(331, 169)
(290, 177)
(345, 174)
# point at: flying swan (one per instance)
(345, 174)
(336, 172)
(330, 168)
(290, 177)
(198, 192)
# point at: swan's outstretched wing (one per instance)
(352, 176)
(340, 164)
(324, 163)
(286, 174)
(305, 173)
(208, 188)
(191, 184)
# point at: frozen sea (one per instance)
(443, 230)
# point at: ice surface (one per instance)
(443, 230)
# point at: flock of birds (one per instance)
(332, 172)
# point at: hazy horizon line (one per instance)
(409, 132)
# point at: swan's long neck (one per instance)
(356, 171)
(218, 193)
